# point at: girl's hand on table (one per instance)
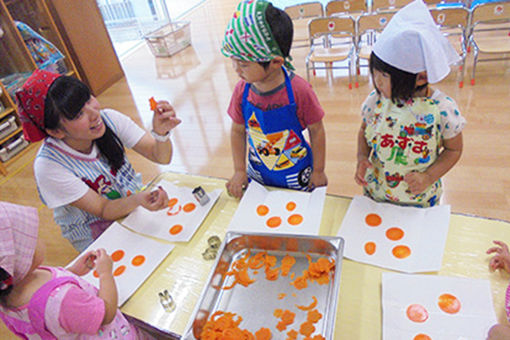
(84, 264)
(104, 263)
(502, 258)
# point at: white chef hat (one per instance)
(412, 42)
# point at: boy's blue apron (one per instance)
(278, 153)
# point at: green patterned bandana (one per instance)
(248, 36)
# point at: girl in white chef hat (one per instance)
(411, 134)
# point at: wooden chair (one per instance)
(324, 28)
(433, 3)
(368, 26)
(489, 32)
(380, 6)
(454, 23)
(301, 15)
(346, 7)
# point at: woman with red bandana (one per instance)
(81, 169)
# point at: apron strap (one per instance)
(17, 326)
(288, 87)
(290, 94)
(37, 305)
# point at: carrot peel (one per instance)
(153, 103)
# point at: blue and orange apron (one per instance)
(278, 153)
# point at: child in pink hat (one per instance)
(38, 302)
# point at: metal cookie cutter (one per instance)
(211, 252)
(200, 195)
(166, 301)
(214, 242)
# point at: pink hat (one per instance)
(18, 239)
(30, 99)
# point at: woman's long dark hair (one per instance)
(66, 98)
(403, 84)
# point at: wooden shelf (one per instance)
(7, 111)
(29, 147)
(18, 130)
(15, 56)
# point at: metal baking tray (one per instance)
(257, 302)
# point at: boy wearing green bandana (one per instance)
(271, 106)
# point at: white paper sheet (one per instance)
(288, 212)
(164, 226)
(472, 321)
(148, 252)
(424, 234)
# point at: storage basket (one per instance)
(7, 126)
(169, 39)
(12, 147)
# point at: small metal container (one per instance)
(257, 302)
(201, 195)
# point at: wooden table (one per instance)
(184, 272)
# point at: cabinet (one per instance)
(84, 33)
(17, 63)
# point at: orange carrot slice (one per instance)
(287, 263)
(257, 261)
(281, 326)
(288, 317)
(292, 335)
(318, 337)
(243, 278)
(313, 316)
(223, 326)
(300, 282)
(307, 328)
(272, 274)
(263, 334)
(309, 307)
(153, 103)
(270, 261)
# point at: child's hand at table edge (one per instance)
(317, 179)
(502, 258)
(237, 184)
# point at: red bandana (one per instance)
(30, 99)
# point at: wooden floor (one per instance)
(199, 81)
